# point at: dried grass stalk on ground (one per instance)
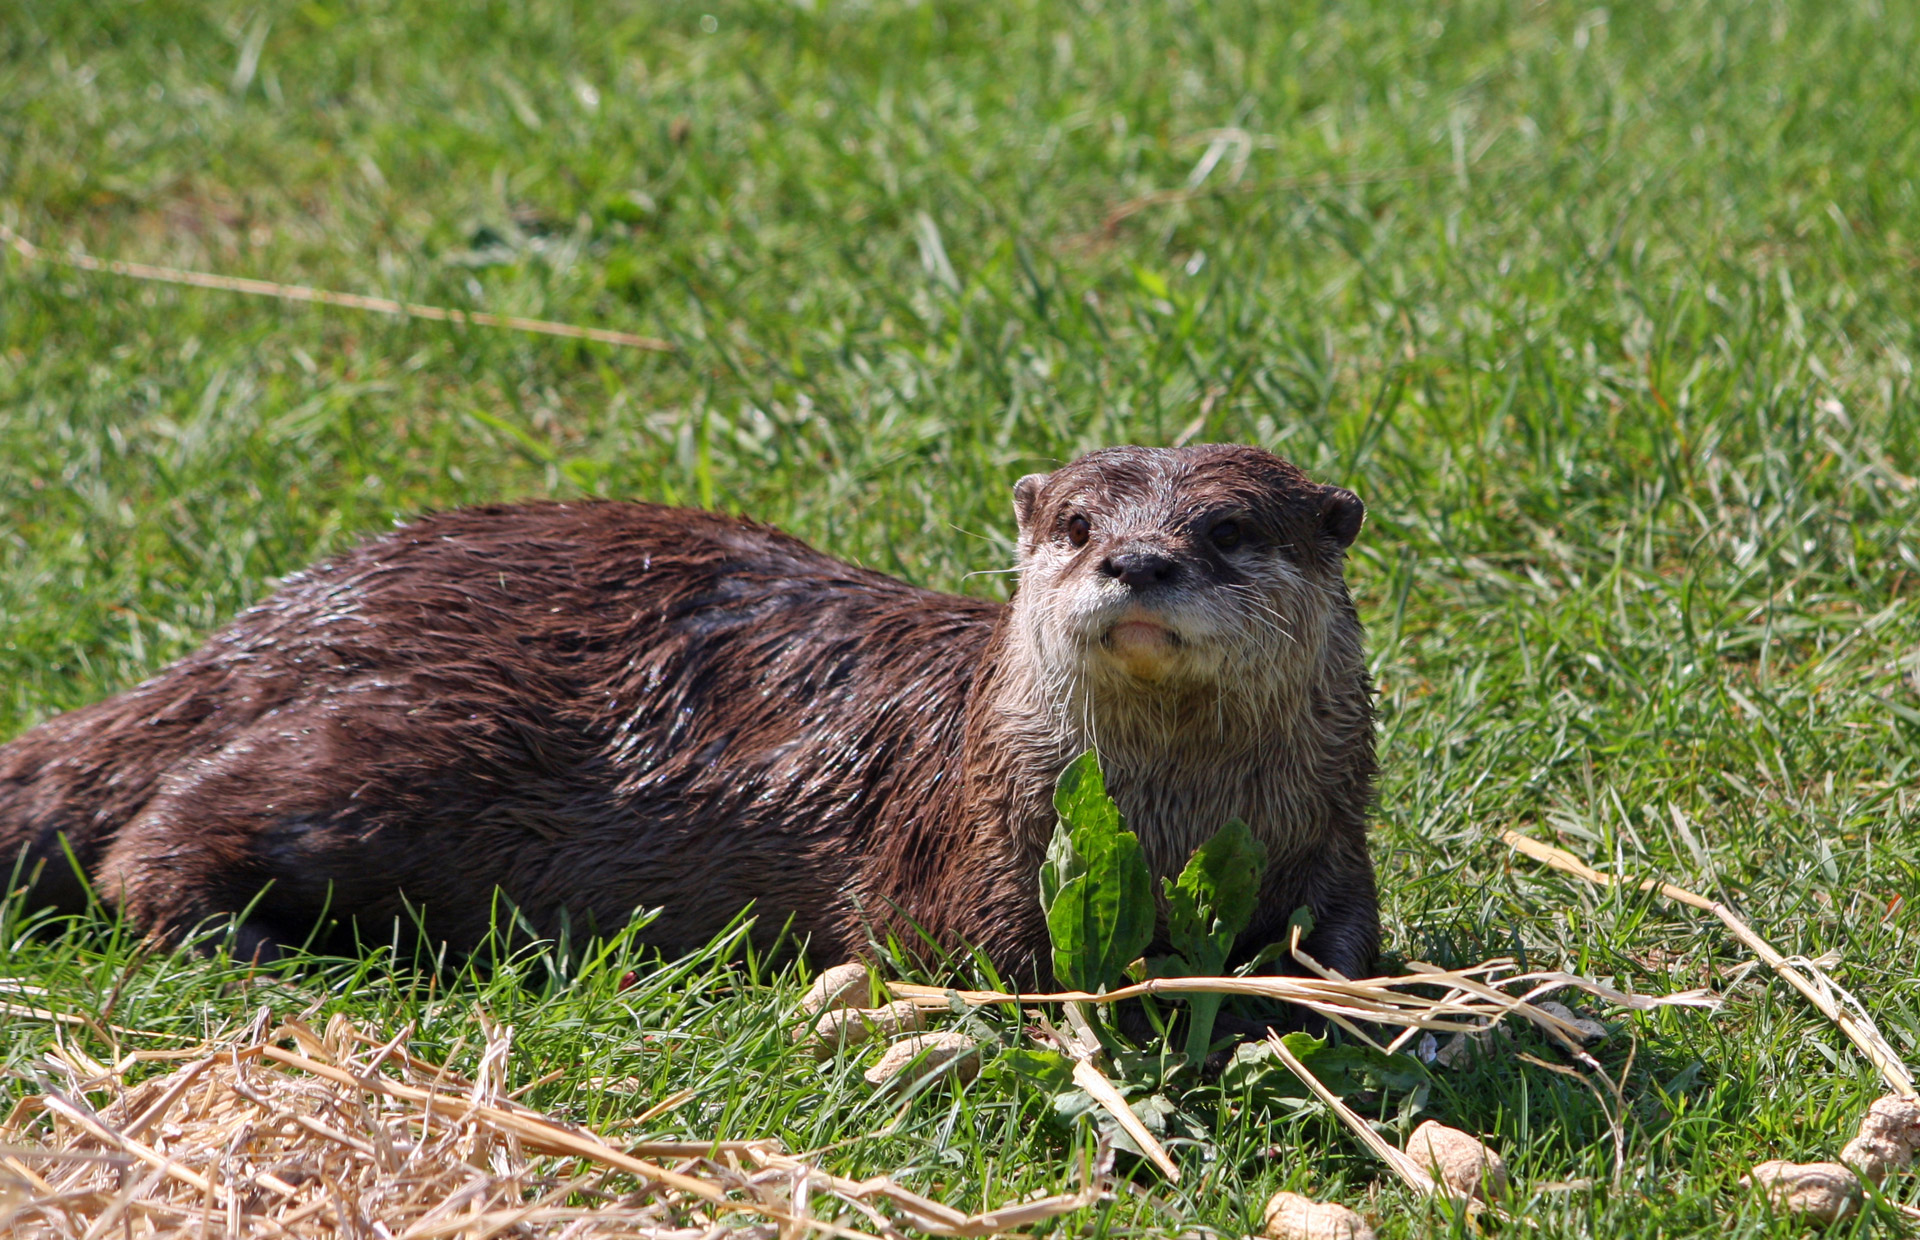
(1803, 975)
(294, 1133)
(1467, 1000)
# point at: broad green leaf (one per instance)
(1161, 1115)
(1254, 1073)
(1095, 886)
(1060, 866)
(1351, 1067)
(1102, 919)
(1207, 906)
(1147, 1070)
(1049, 1069)
(1345, 1070)
(1080, 797)
(1215, 896)
(1167, 966)
(1070, 1106)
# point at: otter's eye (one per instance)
(1077, 531)
(1225, 535)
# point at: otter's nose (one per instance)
(1140, 569)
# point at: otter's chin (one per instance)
(1142, 648)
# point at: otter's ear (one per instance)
(1026, 493)
(1341, 513)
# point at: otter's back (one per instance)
(558, 700)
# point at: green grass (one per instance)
(1612, 322)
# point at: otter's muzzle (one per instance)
(1141, 568)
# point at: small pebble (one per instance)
(857, 1026)
(928, 1051)
(1463, 1048)
(1820, 1192)
(1590, 1030)
(1894, 1119)
(1874, 1157)
(844, 985)
(1293, 1217)
(1460, 1160)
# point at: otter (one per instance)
(590, 709)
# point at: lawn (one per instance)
(1609, 315)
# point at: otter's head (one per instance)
(1160, 586)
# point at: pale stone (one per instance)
(1874, 1157)
(1590, 1030)
(928, 1051)
(1293, 1217)
(846, 1027)
(1894, 1119)
(844, 985)
(1463, 1048)
(1460, 1160)
(1819, 1192)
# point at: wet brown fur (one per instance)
(596, 708)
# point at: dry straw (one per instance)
(1468, 1000)
(1402, 1164)
(325, 297)
(1803, 975)
(295, 1133)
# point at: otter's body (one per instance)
(596, 708)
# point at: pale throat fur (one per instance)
(1202, 643)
